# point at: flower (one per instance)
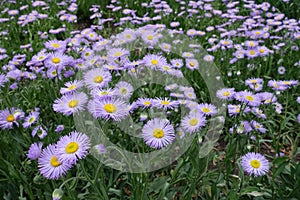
(31, 119)
(165, 103)
(226, 93)
(49, 165)
(250, 99)
(158, 133)
(59, 128)
(255, 163)
(71, 86)
(123, 90)
(97, 78)
(207, 109)
(70, 103)
(34, 151)
(108, 108)
(9, 117)
(144, 102)
(3, 80)
(72, 147)
(192, 64)
(154, 61)
(193, 122)
(39, 131)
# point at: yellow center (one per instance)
(54, 162)
(73, 103)
(261, 51)
(192, 64)
(147, 103)
(104, 93)
(72, 87)
(55, 60)
(87, 54)
(252, 52)
(98, 79)
(257, 33)
(166, 68)
(55, 45)
(286, 82)
(10, 118)
(226, 94)
(53, 73)
(251, 44)
(249, 98)
(110, 108)
(158, 133)
(193, 122)
(226, 42)
(118, 54)
(154, 62)
(255, 163)
(31, 119)
(128, 36)
(150, 37)
(165, 102)
(72, 147)
(123, 91)
(206, 110)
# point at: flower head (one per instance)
(255, 163)
(158, 133)
(49, 165)
(72, 147)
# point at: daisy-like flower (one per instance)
(56, 45)
(276, 85)
(193, 122)
(3, 80)
(70, 103)
(108, 108)
(71, 86)
(39, 131)
(158, 133)
(97, 78)
(31, 119)
(72, 147)
(144, 102)
(267, 97)
(49, 165)
(257, 126)
(236, 109)
(177, 63)
(34, 151)
(250, 98)
(103, 93)
(59, 128)
(154, 61)
(116, 53)
(165, 103)
(192, 64)
(100, 148)
(165, 47)
(255, 164)
(150, 37)
(123, 90)
(253, 81)
(226, 93)
(207, 109)
(9, 117)
(57, 60)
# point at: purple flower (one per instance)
(158, 133)
(70, 103)
(9, 117)
(59, 128)
(39, 131)
(108, 108)
(31, 119)
(49, 165)
(72, 147)
(35, 151)
(255, 164)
